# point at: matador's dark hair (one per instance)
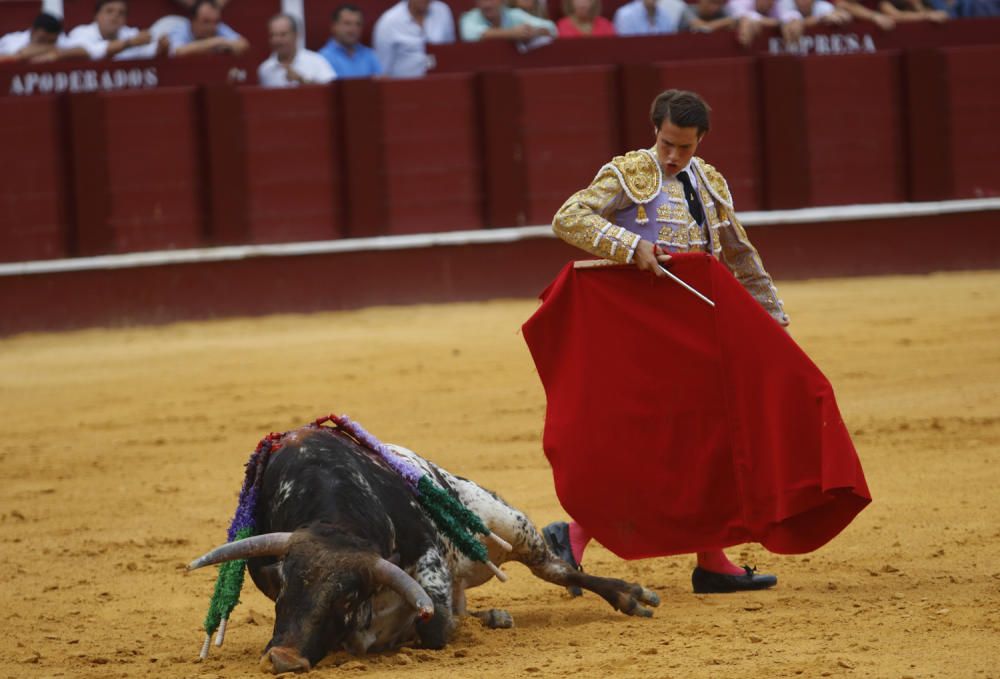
(682, 108)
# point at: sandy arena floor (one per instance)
(123, 453)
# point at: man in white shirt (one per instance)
(44, 41)
(798, 15)
(288, 65)
(206, 34)
(753, 16)
(402, 34)
(108, 36)
(815, 12)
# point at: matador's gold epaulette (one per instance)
(639, 174)
(716, 182)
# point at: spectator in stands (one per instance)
(188, 5)
(582, 18)
(44, 41)
(912, 10)
(403, 32)
(344, 51)
(108, 37)
(706, 16)
(649, 17)
(289, 65)
(969, 9)
(206, 34)
(816, 12)
(538, 8)
(753, 16)
(492, 20)
(859, 11)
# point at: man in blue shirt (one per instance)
(344, 51)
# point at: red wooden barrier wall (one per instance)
(274, 170)
(833, 130)
(731, 87)
(33, 191)
(855, 37)
(502, 55)
(17, 15)
(261, 285)
(183, 167)
(137, 170)
(293, 179)
(549, 131)
(569, 120)
(412, 155)
(953, 135)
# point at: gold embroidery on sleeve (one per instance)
(584, 220)
(733, 247)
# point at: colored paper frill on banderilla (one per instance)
(673, 427)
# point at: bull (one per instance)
(353, 563)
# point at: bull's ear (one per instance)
(270, 580)
(269, 544)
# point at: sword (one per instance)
(697, 294)
(599, 263)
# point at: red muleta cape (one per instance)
(673, 427)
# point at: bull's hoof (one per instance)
(636, 609)
(495, 618)
(629, 605)
(650, 597)
(279, 660)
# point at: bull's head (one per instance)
(323, 592)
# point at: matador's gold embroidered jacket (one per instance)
(630, 199)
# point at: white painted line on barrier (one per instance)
(873, 211)
(803, 216)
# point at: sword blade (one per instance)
(688, 287)
(601, 263)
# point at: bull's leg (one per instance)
(458, 600)
(531, 550)
(434, 576)
(626, 597)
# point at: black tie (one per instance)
(694, 205)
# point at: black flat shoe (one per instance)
(707, 582)
(556, 536)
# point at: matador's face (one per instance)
(675, 146)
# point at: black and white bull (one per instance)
(352, 562)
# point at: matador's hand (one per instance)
(648, 257)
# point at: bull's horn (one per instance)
(269, 544)
(391, 575)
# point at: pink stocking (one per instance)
(578, 539)
(716, 562)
